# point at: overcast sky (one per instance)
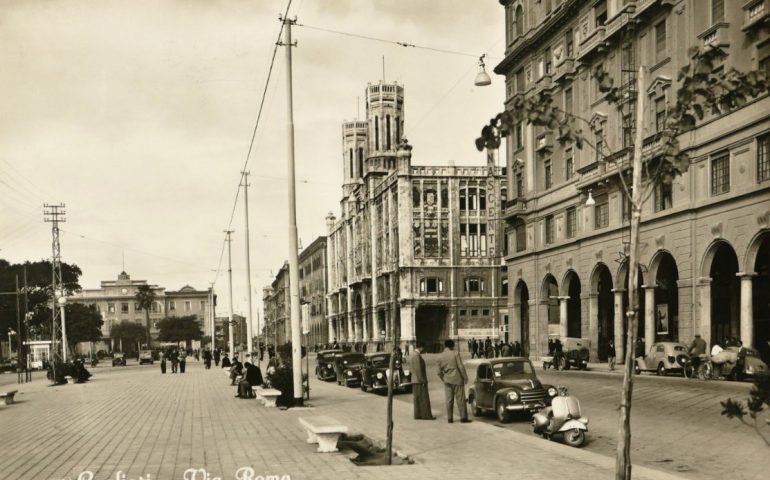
(138, 115)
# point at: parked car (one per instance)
(324, 369)
(145, 356)
(506, 386)
(119, 359)
(348, 367)
(377, 371)
(663, 357)
(750, 364)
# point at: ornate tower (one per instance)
(354, 153)
(385, 118)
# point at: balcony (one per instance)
(592, 42)
(544, 142)
(564, 70)
(650, 7)
(716, 36)
(756, 13)
(516, 207)
(621, 19)
(543, 84)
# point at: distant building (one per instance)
(277, 307)
(116, 301)
(312, 290)
(240, 334)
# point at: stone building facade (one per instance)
(705, 240)
(312, 290)
(416, 248)
(115, 300)
(276, 306)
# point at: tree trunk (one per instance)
(623, 456)
(147, 325)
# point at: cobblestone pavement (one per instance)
(136, 421)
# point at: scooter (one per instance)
(563, 418)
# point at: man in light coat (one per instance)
(451, 371)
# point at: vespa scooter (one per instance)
(563, 418)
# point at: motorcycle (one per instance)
(562, 418)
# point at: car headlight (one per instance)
(513, 396)
(349, 373)
(328, 365)
(552, 392)
(407, 372)
(379, 375)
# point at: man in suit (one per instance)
(451, 371)
(420, 384)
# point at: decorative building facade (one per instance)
(312, 291)
(705, 239)
(277, 306)
(116, 301)
(417, 250)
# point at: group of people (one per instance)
(722, 357)
(491, 349)
(451, 371)
(177, 358)
(243, 376)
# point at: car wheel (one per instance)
(661, 371)
(475, 407)
(363, 386)
(575, 437)
(502, 413)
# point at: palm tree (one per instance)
(145, 297)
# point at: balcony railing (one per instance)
(716, 35)
(543, 84)
(564, 70)
(593, 41)
(621, 19)
(756, 13)
(516, 206)
(649, 6)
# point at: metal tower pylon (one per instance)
(54, 214)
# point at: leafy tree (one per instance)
(129, 333)
(179, 329)
(145, 297)
(701, 91)
(758, 401)
(84, 324)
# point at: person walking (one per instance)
(451, 371)
(162, 363)
(174, 361)
(611, 354)
(207, 358)
(182, 360)
(420, 394)
(216, 357)
(473, 347)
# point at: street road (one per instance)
(676, 423)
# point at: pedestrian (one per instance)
(182, 360)
(420, 394)
(639, 350)
(473, 348)
(518, 349)
(451, 371)
(216, 357)
(174, 361)
(550, 347)
(488, 352)
(611, 354)
(162, 362)
(207, 358)
(226, 361)
(506, 350)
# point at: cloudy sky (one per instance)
(138, 115)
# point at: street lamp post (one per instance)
(62, 302)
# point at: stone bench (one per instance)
(325, 431)
(267, 396)
(8, 396)
(69, 379)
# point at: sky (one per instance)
(138, 116)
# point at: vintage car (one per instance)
(348, 367)
(663, 357)
(145, 356)
(750, 364)
(324, 368)
(119, 359)
(377, 371)
(506, 386)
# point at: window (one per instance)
(626, 208)
(521, 237)
(571, 222)
(482, 199)
(519, 184)
(519, 21)
(187, 306)
(601, 212)
(720, 174)
(600, 14)
(509, 24)
(124, 308)
(416, 196)
(547, 59)
(431, 285)
(155, 307)
(663, 196)
(203, 305)
(660, 114)
(628, 130)
(568, 100)
(520, 81)
(485, 312)
(717, 11)
(376, 133)
(660, 41)
(360, 162)
(474, 313)
(569, 164)
(548, 169)
(549, 229)
(463, 240)
(519, 132)
(474, 285)
(504, 287)
(763, 158)
(463, 313)
(110, 308)
(473, 240)
(570, 43)
(171, 306)
(599, 145)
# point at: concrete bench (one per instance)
(325, 431)
(267, 396)
(8, 396)
(69, 379)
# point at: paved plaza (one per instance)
(141, 423)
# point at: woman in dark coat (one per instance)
(421, 398)
(162, 362)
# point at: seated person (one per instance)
(226, 362)
(252, 377)
(235, 371)
(722, 359)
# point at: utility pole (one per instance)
(212, 318)
(296, 339)
(230, 279)
(249, 332)
(54, 214)
(19, 353)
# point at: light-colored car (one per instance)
(119, 359)
(145, 356)
(663, 357)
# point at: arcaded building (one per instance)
(705, 240)
(417, 250)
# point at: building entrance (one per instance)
(430, 327)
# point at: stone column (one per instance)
(364, 321)
(407, 323)
(650, 316)
(563, 317)
(704, 285)
(747, 308)
(593, 323)
(375, 325)
(620, 347)
(332, 335)
(514, 323)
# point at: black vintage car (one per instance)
(348, 367)
(375, 374)
(324, 368)
(508, 385)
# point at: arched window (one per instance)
(519, 22)
(398, 131)
(360, 162)
(350, 156)
(387, 132)
(376, 133)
